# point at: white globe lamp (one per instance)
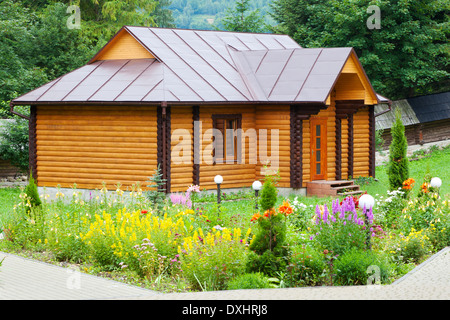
(435, 182)
(218, 179)
(366, 201)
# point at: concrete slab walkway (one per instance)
(25, 279)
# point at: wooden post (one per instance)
(196, 145)
(338, 148)
(163, 142)
(350, 145)
(372, 141)
(32, 151)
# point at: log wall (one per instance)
(271, 118)
(361, 142)
(88, 145)
(182, 158)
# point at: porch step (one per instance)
(324, 188)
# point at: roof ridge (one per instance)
(212, 31)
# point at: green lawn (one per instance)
(436, 164)
(8, 198)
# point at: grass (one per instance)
(8, 198)
(436, 164)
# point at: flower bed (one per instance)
(203, 246)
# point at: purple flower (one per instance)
(342, 215)
(325, 213)
(318, 214)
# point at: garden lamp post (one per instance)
(436, 183)
(218, 180)
(367, 202)
(256, 186)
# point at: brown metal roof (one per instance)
(202, 67)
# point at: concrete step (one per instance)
(355, 187)
(324, 188)
(351, 193)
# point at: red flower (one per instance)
(144, 211)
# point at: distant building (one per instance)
(426, 119)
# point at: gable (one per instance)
(122, 46)
(353, 82)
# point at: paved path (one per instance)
(25, 279)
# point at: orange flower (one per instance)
(269, 213)
(408, 184)
(285, 208)
(255, 217)
(424, 187)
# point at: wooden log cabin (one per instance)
(170, 97)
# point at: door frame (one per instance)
(322, 121)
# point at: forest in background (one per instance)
(207, 14)
(407, 56)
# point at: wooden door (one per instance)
(318, 149)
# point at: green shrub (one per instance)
(269, 263)
(390, 208)
(32, 195)
(255, 280)
(355, 267)
(156, 194)
(415, 246)
(305, 267)
(268, 195)
(209, 264)
(398, 167)
(268, 252)
(14, 146)
(439, 234)
(341, 229)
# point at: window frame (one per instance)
(236, 135)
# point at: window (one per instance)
(227, 138)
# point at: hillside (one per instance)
(205, 14)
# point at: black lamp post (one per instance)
(256, 186)
(218, 180)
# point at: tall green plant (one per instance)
(32, 193)
(157, 193)
(398, 167)
(267, 249)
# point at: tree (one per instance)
(156, 194)
(17, 75)
(407, 56)
(242, 19)
(14, 143)
(398, 167)
(162, 15)
(36, 47)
